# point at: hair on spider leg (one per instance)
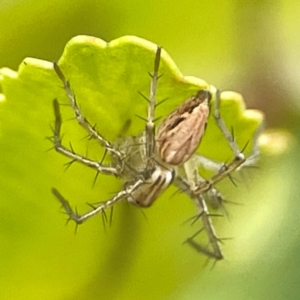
(71, 147)
(209, 215)
(103, 215)
(144, 119)
(67, 165)
(111, 216)
(51, 137)
(206, 215)
(232, 180)
(156, 119)
(144, 97)
(224, 239)
(162, 101)
(140, 117)
(97, 171)
(86, 137)
(194, 235)
(76, 223)
(214, 263)
(104, 220)
(70, 218)
(210, 253)
(245, 146)
(95, 179)
(50, 149)
(158, 76)
(194, 219)
(148, 100)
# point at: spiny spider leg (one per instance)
(203, 186)
(229, 137)
(81, 119)
(71, 154)
(239, 157)
(238, 162)
(205, 216)
(150, 126)
(101, 207)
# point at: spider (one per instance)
(149, 163)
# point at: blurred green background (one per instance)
(249, 47)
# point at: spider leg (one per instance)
(221, 124)
(215, 251)
(82, 120)
(96, 209)
(150, 125)
(238, 162)
(206, 163)
(70, 153)
(194, 185)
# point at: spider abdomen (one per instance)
(179, 134)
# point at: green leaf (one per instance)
(137, 257)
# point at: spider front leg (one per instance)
(70, 153)
(150, 122)
(82, 120)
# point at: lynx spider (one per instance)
(152, 161)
